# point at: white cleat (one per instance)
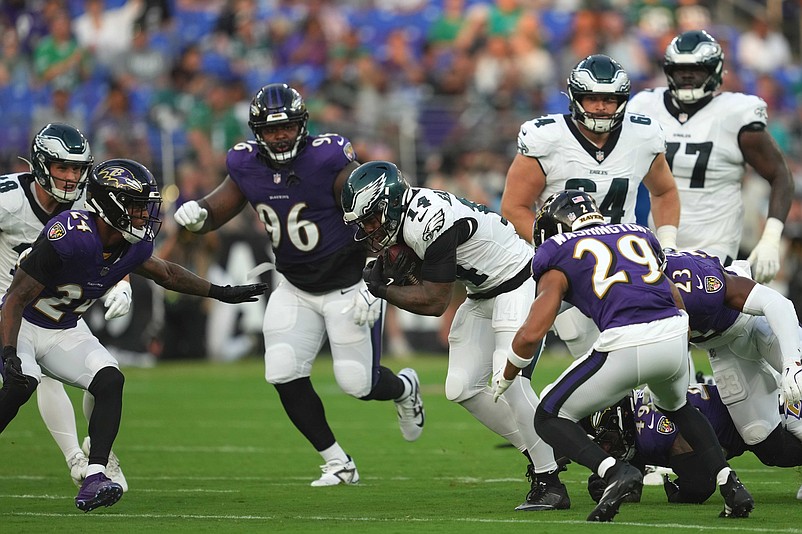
(113, 469)
(411, 416)
(77, 465)
(336, 472)
(799, 493)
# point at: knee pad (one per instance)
(755, 432)
(457, 386)
(576, 330)
(280, 364)
(353, 378)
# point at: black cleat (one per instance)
(738, 503)
(624, 482)
(543, 497)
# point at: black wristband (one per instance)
(215, 291)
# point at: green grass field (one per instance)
(207, 448)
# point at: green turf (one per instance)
(207, 448)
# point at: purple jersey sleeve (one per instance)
(700, 279)
(613, 273)
(86, 273)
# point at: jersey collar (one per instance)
(599, 154)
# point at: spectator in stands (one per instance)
(620, 43)
(762, 49)
(58, 58)
(213, 127)
(117, 131)
(143, 67)
(59, 109)
(15, 66)
(107, 33)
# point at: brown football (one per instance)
(392, 256)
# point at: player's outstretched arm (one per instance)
(176, 278)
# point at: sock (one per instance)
(94, 469)
(605, 466)
(335, 452)
(58, 415)
(722, 476)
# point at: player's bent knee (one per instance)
(755, 432)
(457, 389)
(107, 381)
(353, 378)
(280, 364)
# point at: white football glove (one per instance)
(367, 308)
(118, 300)
(191, 216)
(791, 383)
(500, 384)
(765, 257)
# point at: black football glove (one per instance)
(237, 294)
(401, 271)
(374, 277)
(12, 367)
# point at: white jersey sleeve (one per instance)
(611, 174)
(493, 254)
(708, 165)
(19, 224)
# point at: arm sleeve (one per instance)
(781, 316)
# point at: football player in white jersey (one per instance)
(600, 148)
(457, 239)
(60, 162)
(710, 139)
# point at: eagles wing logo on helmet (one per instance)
(372, 193)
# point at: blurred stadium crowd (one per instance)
(440, 87)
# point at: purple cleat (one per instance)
(97, 490)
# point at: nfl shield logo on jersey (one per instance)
(276, 177)
(600, 155)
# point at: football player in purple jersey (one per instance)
(613, 273)
(79, 255)
(293, 180)
(636, 431)
(60, 160)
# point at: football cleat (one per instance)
(411, 416)
(336, 472)
(543, 497)
(113, 469)
(625, 481)
(77, 465)
(799, 494)
(737, 500)
(96, 491)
